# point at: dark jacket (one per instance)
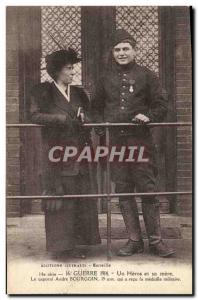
(50, 108)
(126, 91)
(62, 127)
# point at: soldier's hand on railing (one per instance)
(141, 119)
(99, 131)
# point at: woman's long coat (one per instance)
(73, 221)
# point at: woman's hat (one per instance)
(58, 59)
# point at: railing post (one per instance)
(108, 186)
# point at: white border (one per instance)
(3, 4)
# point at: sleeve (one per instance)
(98, 102)
(157, 99)
(85, 104)
(39, 98)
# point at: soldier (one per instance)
(62, 108)
(128, 92)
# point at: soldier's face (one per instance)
(124, 53)
(66, 74)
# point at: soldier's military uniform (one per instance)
(121, 93)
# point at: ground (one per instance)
(29, 265)
(26, 239)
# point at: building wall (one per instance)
(12, 110)
(184, 107)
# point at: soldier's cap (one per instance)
(58, 59)
(121, 35)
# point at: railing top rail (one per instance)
(45, 197)
(108, 124)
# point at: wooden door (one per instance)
(29, 24)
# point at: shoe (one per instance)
(60, 254)
(76, 253)
(131, 247)
(161, 249)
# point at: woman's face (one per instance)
(66, 74)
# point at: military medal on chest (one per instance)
(131, 85)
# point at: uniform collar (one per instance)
(60, 88)
(125, 68)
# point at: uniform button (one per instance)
(124, 74)
(122, 131)
(122, 107)
(123, 94)
(123, 100)
(124, 86)
(124, 79)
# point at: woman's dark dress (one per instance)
(72, 221)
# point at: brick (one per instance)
(13, 161)
(12, 188)
(182, 11)
(13, 206)
(12, 100)
(12, 132)
(183, 145)
(183, 69)
(181, 58)
(12, 108)
(184, 187)
(184, 111)
(11, 43)
(182, 39)
(14, 170)
(181, 97)
(184, 83)
(186, 118)
(184, 173)
(11, 58)
(12, 71)
(13, 116)
(184, 129)
(183, 76)
(13, 153)
(12, 93)
(184, 90)
(185, 156)
(186, 180)
(182, 26)
(12, 86)
(13, 147)
(13, 180)
(182, 19)
(184, 104)
(184, 139)
(13, 140)
(185, 168)
(13, 214)
(13, 79)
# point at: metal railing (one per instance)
(108, 195)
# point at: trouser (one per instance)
(151, 215)
(139, 177)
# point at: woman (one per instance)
(62, 109)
